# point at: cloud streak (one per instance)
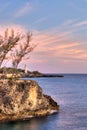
(83, 23)
(55, 44)
(23, 10)
(39, 21)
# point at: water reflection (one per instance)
(32, 124)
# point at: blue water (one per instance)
(71, 94)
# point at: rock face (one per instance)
(20, 100)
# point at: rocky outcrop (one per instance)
(20, 100)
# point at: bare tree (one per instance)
(7, 43)
(22, 49)
(18, 45)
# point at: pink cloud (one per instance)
(69, 45)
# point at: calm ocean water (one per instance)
(71, 94)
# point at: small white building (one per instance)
(25, 69)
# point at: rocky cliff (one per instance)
(20, 100)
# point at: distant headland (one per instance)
(21, 73)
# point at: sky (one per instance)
(59, 29)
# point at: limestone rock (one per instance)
(21, 100)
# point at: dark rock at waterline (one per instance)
(36, 74)
(21, 100)
(52, 75)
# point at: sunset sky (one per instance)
(59, 29)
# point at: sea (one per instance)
(70, 92)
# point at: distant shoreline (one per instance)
(20, 73)
(49, 76)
